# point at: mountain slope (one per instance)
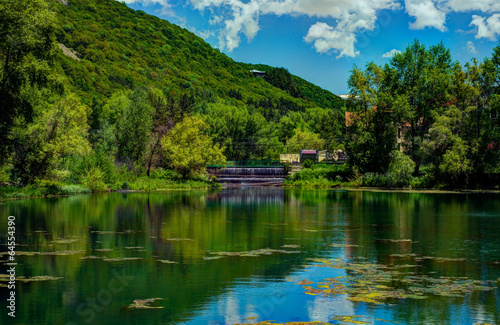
(120, 48)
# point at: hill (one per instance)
(119, 48)
(94, 91)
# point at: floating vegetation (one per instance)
(178, 239)
(168, 262)
(255, 253)
(348, 319)
(208, 258)
(403, 255)
(120, 259)
(396, 240)
(342, 245)
(376, 284)
(57, 253)
(103, 250)
(290, 246)
(106, 232)
(145, 304)
(440, 259)
(270, 322)
(136, 247)
(38, 278)
(65, 241)
(90, 257)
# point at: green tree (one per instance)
(303, 139)
(420, 79)
(371, 133)
(26, 48)
(59, 130)
(187, 148)
(134, 129)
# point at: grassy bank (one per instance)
(327, 176)
(159, 181)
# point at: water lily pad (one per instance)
(120, 259)
(145, 304)
(254, 253)
(168, 262)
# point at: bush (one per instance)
(376, 180)
(94, 180)
(400, 169)
(308, 163)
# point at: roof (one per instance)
(257, 71)
(309, 152)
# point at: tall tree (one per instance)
(26, 46)
(188, 149)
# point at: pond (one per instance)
(254, 255)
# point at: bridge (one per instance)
(249, 172)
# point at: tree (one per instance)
(303, 139)
(371, 134)
(134, 128)
(421, 79)
(58, 130)
(26, 48)
(187, 148)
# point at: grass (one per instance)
(159, 181)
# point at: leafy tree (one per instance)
(134, 128)
(188, 149)
(303, 139)
(421, 80)
(59, 130)
(26, 48)
(371, 134)
(282, 79)
(400, 168)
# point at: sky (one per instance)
(321, 40)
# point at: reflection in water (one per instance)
(181, 246)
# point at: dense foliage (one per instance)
(444, 116)
(97, 94)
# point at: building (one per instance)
(258, 74)
(309, 154)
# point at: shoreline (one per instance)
(223, 186)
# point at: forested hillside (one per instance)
(96, 90)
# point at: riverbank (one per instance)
(141, 184)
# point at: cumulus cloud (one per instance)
(426, 14)
(339, 25)
(476, 5)
(471, 48)
(391, 53)
(487, 28)
(349, 17)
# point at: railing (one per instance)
(249, 163)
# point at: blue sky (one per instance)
(321, 40)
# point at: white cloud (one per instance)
(339, 24)
(471, 48)
(426, 14)
(391, 53)
(241, 17)
(487, 28)
(476, 5)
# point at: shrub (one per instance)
(94, 180)
(400, 169)
(308, 163)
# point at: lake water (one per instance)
(255, 254)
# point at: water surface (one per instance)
(246, 255)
